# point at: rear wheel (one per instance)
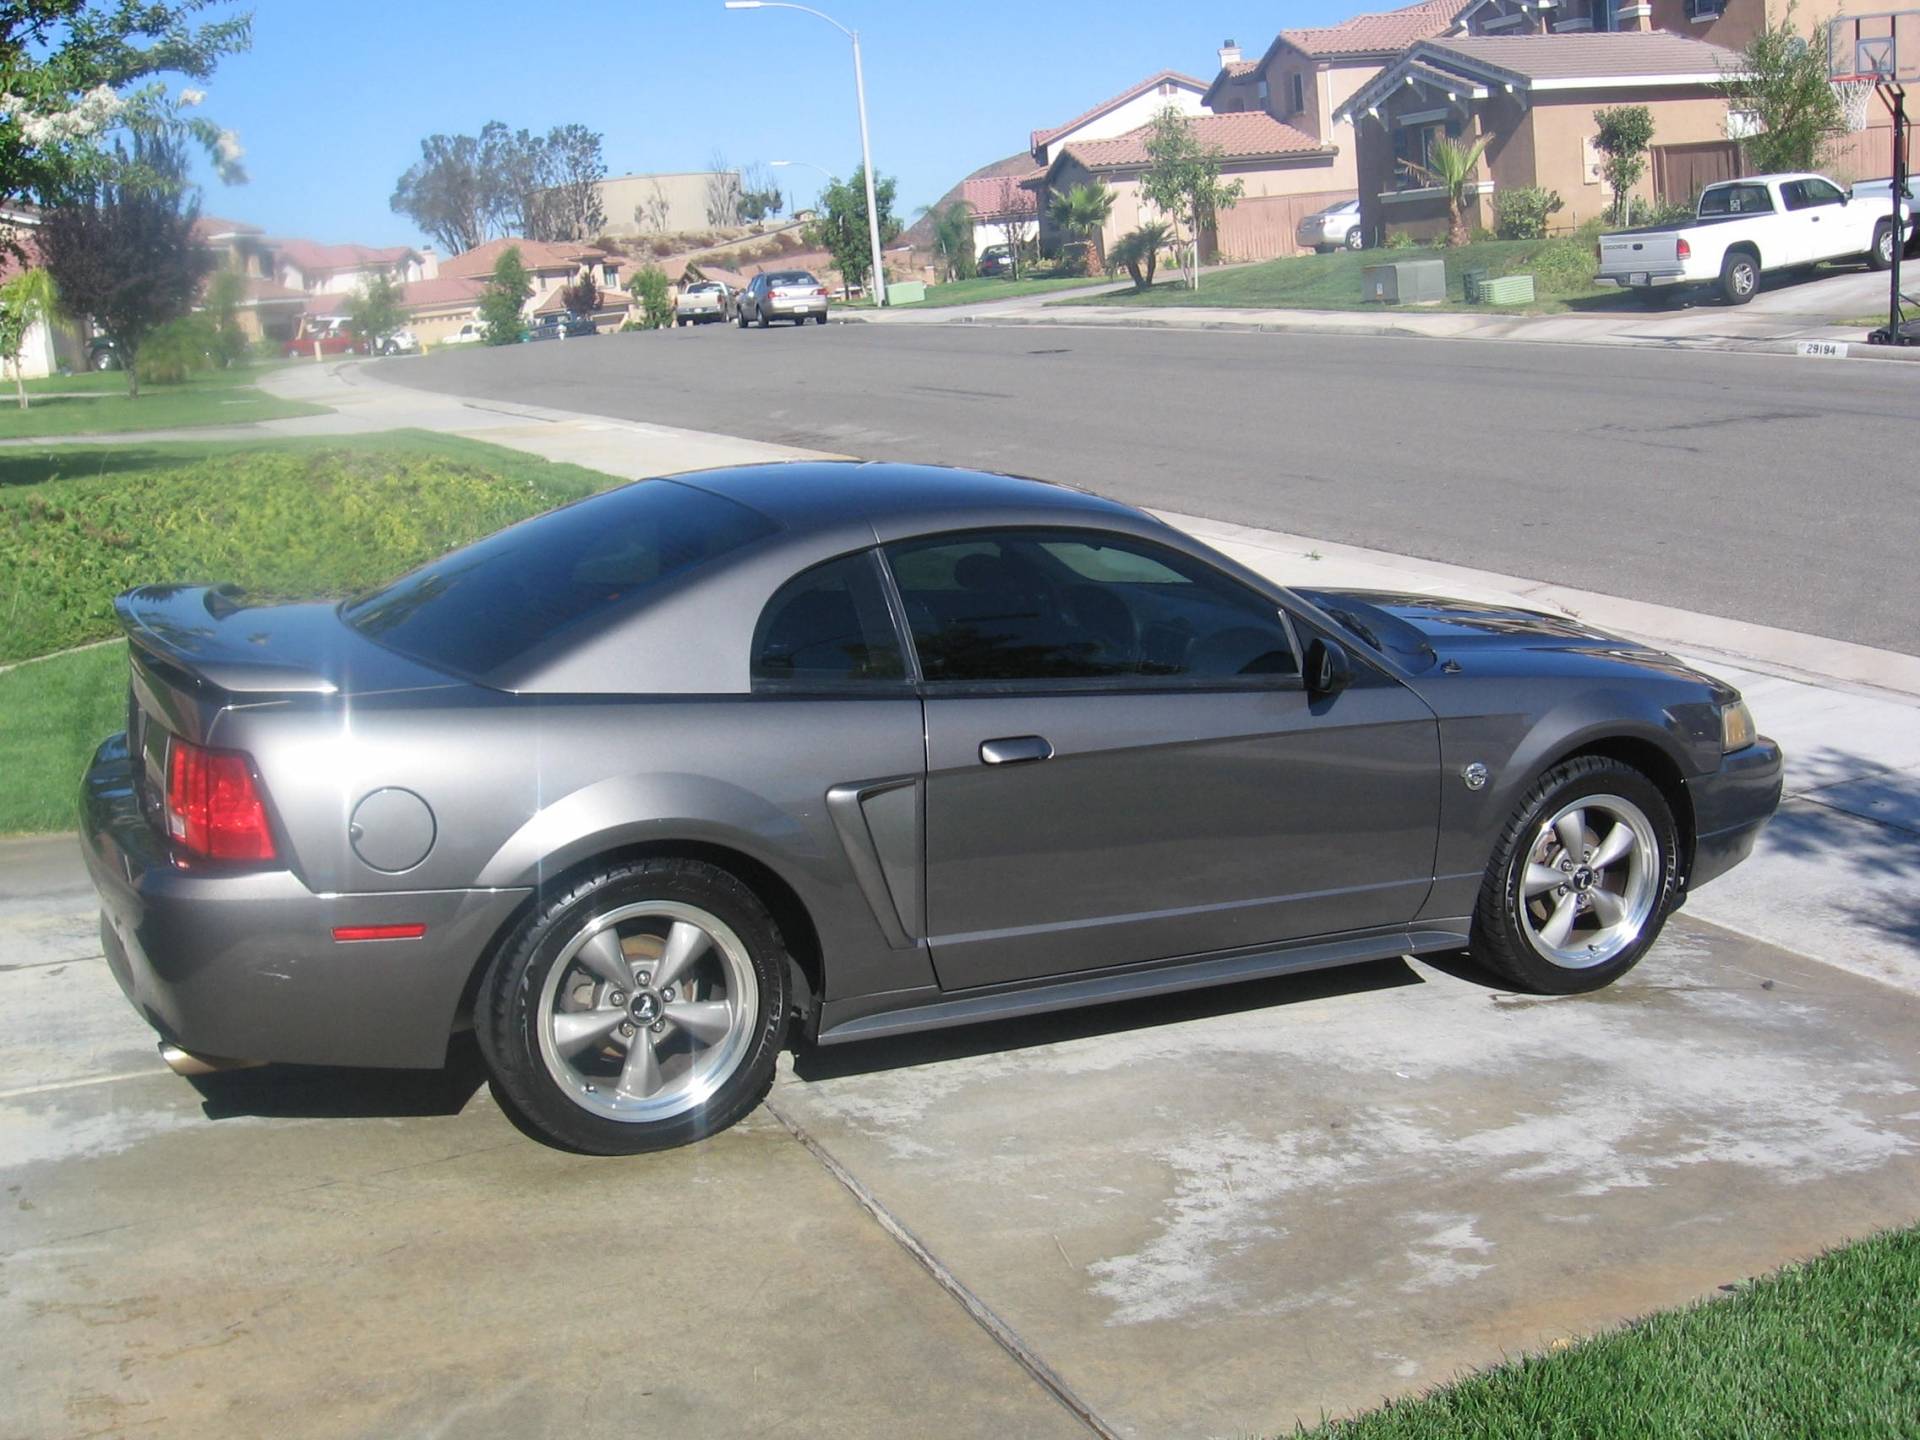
(740, 318)
(1880, 257)
(642, 1009)
(821, 317)
(1581, 881)
(1739, 278)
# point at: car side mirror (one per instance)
(1329, 671)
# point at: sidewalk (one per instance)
(1779, 329)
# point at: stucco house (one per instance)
(439, 305)
(1119, 114)
(51, 344)
(996, 202)
(1535, 95)
(312, 267)
(269, 308)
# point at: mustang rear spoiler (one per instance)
(204, 631)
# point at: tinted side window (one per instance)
(1819, 192)
(827, 628)
(1736, 200)
(482, 607)
(1075, 606)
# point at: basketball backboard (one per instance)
(1882, 47)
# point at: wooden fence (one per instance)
(1263, 228)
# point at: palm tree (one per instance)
(1452, 169)
(1084, 211)
(25, 300)
(1139, 250)
(953, 237)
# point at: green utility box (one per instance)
(1507, 290)
(1471, 284)
(906, 292)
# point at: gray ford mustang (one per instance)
(648, 787)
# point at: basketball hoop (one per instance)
(1881, 51)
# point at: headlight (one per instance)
(1736, 727)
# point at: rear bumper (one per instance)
(1655, 279)
(1731, 807)
(244, 964)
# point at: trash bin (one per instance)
(1472, 282)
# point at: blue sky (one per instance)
(333, 100)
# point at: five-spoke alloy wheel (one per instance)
(642, 1008)
(1582, 880)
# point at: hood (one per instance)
(246, 647)
(1420, 632)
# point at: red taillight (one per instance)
(213, 804)
(821, 291)
(1681, 249)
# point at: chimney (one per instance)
(1229, 53)
(429, 262)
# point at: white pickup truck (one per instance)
(1745, 228)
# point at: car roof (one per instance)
(896, 499)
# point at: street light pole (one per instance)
(866, 150)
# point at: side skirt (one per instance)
(1004, 1002)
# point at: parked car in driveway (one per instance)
(332, 342)
(781, 295)
(102, 353)
(995, 260)
(1744, 229)
(1335, 228)
(703, 303)
(562, 327)
(400, 342)
(649, 786)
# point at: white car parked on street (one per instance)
(1744, 229)
(471, 333)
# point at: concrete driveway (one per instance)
(1207, 1215)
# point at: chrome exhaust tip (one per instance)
(185, 1062)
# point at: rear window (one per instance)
(792, 277)
(1736, 200)
(482, 608)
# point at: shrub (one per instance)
(177, 349)
(1563, 267)
(1139, 252)
(1522, 213)
(655, 295)
(1399, 240)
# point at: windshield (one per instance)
(481, 608)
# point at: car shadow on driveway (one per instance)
(321, 1092)
(866, 1057)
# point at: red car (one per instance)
(337, 342)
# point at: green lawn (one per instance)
(1562, 271)
(79, 524)
(52, 715)
(973, 292)
(96, 403)
(1828, 1348)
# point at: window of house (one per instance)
(1167, 87)
(1056, 606)
(1413, 150)
(610, 276)
(1297, 85)
(828, 628)
(1705, 9)
(1265, 93)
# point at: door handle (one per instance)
(1015, 750)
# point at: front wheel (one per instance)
(1880, 257)
(1739, 278)
(1355, 240)
(1581, 881)
(643, 1008)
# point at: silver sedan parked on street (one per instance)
(651, 786)
(781, 295)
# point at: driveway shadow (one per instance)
(322, 1092)
(1671, 301)
(898, 1052)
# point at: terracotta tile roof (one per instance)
(328, 303)
(1042, 137)
(208, 226)
(1384, 33)
(985, 199)
(1243, 135)
(534, 254)
(1578, 56)
(442, 290)
(256, 291)
(1234, 69)
(310, 257)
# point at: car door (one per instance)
(1124, 766)
(1826, 233)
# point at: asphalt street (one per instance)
(1761, 488)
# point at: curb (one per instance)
(1854, 349)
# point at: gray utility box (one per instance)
(1405, 282)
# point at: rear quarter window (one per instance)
(482, 608)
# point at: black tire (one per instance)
(105, 360)
(1502, 938)
(1880, 257)
(740, 318)
(506, 1017)
(1739, 278)
(760, 318)
(821, 317)
(1355, 240)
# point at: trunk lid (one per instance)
(1640, 250)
